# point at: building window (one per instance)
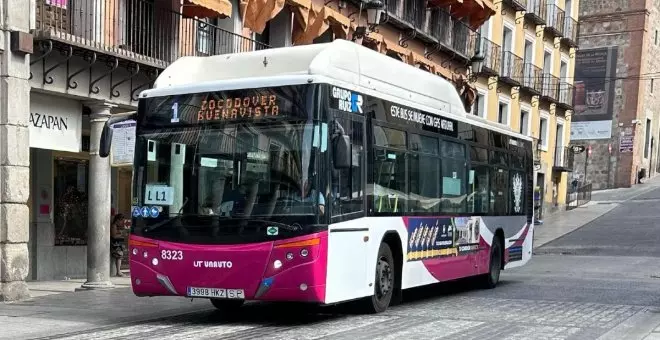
(70, 203)
(479, 106)
(524, 122)
(543, 132)
(503, 113)
(205, 34)
(647, 138)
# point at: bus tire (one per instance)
(491, 279)
(384, 283)
(227, 305)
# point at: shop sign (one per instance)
(55, 123)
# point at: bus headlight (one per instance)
(277, 264)
(304, 253)
(135, 251)
(145, 254)
(289, 256)
(154, 261)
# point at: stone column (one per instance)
(98, 235)
(14, 154)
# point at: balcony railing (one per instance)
(550, 87)
(536, 11)
(450, 32)
(566, 95)
(564, 158)
(512, 69)
(517, 5)
(138, 29)
(555, 20)
(411, 12)
(492, 53)
(570, 31)
(532, 79)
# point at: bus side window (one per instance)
(347, 184)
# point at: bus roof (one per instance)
(341, 62)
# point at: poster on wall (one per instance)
(593, 96)
(123, 143)
(55, 123)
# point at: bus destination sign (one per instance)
(243, 108)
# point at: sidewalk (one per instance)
(563, 222)
(44, 288)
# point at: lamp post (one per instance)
(375, 10)
(476, 62)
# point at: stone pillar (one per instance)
(98, 235)
(14, 153)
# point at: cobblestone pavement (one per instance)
(600, 281)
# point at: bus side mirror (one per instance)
(341, 152)
(106, 140)
(106, 134)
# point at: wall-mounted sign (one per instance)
(123, 143)
(55, 123)
(578, 148)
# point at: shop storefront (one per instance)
(59, 182)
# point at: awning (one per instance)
(339, 23)
(206, 8)
(316, 25)
(257, 13)
(443, 3)
(419, 59)
(300, 10)
(375, 39)
(404, 53)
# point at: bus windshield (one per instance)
(237, 182)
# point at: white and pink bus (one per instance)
(323, 173)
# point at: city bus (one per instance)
(324, 174)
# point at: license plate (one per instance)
(216, 293)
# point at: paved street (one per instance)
(600, 281)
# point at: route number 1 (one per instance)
(175, 113)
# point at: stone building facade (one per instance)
(623, 143)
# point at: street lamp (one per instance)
(375, 13)
(476, 62)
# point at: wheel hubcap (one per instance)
(384, 278)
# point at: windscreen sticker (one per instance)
(158, 194)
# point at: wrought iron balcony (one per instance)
(550, 87)
(555, 20)
(566, 95)
(512, 69)
(517, 5)
(570, 32)
(410, 12)
(147, 32)
(564, 159)
(492, 53)
(435, 25)
(536, 11)
(532, 79)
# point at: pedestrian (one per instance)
(117, 241)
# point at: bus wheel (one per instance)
(227, 305)
(384, 281)
(495, 266)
